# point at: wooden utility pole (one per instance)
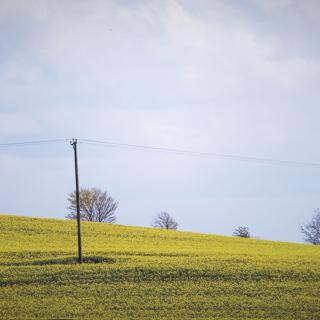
(73, 143)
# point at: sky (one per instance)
(237, 77)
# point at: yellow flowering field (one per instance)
(147, 273)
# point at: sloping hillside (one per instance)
(151, 274)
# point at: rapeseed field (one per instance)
(148, 273)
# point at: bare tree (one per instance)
(95, 205)
(242, 232)
(311, 230)
(164, 221)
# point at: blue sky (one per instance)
(233, 77)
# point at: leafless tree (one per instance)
(95, 205)
(242, 232)
(164, 221)
(311, 230)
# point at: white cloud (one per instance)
(154, 47)
(13, 125)
(310, 8)
(271, 5)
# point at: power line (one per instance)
(29, 143)
(170, 151)
(203, 154)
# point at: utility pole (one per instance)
(73, 143)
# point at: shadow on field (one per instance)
(67, 260)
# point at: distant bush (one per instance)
(242, 232)
(311, 230)
(164, 221)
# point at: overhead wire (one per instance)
(203, 154)
(34, 142)
(168, 151)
